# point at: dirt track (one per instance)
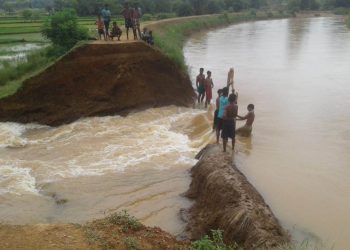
(96, 80)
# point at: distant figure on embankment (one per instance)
(115, 32)
(200, 83)
(127, 13)
(246, 130)
(106, 15)
(136, 16)
(100, 27)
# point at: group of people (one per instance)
(132, 18)
(226, 112)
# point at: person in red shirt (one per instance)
(100, 27)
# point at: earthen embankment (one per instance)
(225, 200)
(99, 80)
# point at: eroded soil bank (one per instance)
(225, 200)
(99, 80)
(118, 231)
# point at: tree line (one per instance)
(180, 7)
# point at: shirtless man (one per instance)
(229, 122)
(200, 83)
(246, 130)
(230, 79)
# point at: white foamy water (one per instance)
(139, 162)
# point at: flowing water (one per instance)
(297, 73)
(11, 54)
(95, 166)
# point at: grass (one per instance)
(131, 243)
(94, 237)
(305, 245)
(35, 60)
(125, 220)
(170, 38)
(12, 77)
(215, 242)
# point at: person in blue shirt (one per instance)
(106, 15)
(223, 102)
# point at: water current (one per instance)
(95, 166)
(297, 73)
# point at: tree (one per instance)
(199, 6)
(184, 9)
(9, 7)
(63, 30)
(27, 14)
(215, 6)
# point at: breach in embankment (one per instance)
(96, 80)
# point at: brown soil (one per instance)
(100, 234)
(225, 200)
(97, 80)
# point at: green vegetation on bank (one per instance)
(170, 38)
(63, 31)
(215, 242)
(348, 21)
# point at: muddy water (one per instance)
(14, 53)
(297, 74)
(95, 166)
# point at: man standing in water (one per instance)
(223, 102)
(230, 79)
(209, 85)
(106, 15)
(229, 122)
(246, 130)
(200, 83)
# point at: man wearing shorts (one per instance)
(200, 83)
(127, 13)
(106, 15)
(229, 122)
(223, 102)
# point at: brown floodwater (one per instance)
(95, 166)
(297, 73)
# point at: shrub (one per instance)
(161, 16)
(184, 9)
(147, 17)
(341, 11)
(216, 242)
(63, 30)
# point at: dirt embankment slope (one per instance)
(225, 200)
(99, 79)
(114, 232)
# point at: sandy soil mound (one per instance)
(118, 231)
(96, 80)
(225, 200)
